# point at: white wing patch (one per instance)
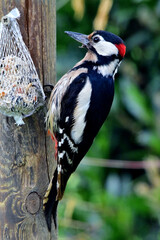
(83, 102)
(57, 94)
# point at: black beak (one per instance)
(82, 38)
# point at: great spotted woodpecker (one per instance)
(79, 105)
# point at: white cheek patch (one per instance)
(83, 102)
(106, 48)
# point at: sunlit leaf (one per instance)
(101, 19)
(79, 8)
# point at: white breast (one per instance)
(107, 70)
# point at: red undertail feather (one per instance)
(55, 142)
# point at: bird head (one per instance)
(102, 43)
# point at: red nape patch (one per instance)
(122, 49)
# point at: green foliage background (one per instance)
(108, 203)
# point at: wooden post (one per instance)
(26, 153)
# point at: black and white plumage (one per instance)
(78, 106)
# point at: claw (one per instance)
(48, 86)
(48, 89)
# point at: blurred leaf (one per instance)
(137, 39)
(150, 139)
(147, 17)
(61, 3)
(136, 102)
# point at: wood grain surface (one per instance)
(26, 152)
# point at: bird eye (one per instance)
(96, 39)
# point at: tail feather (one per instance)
(53, 195)
(50, 203)
(49, 213)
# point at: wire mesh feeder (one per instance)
(21, 92)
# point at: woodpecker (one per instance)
(78, 106)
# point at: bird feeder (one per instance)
(21, 93)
